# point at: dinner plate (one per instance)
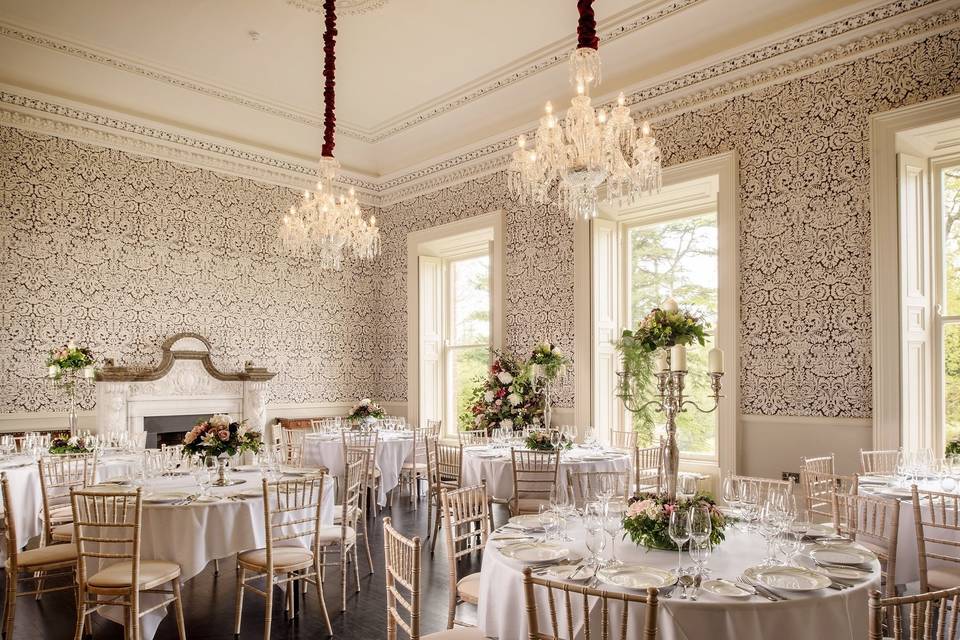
(488, 455)
(843, 573)
(166, 497)
(877, 480)
(788, 578)
(897, 492)
(535, 551)
(841, 554)
(296, 471)
(727, 589)
(527, 521)
(568, 571)
(593, 458)
(635, 576)
(815, 530)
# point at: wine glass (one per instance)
(789, 543)
(770, 524)
(700, 554)
(679, 532)
(688, 485)
(549, 521)
(605, 488)
(594, 514)
(555, 439)
(731, 495)
(613, 524)
(948, 482)
(749, 500)
(590, 436)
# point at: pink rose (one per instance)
(190, 437)
(635, 509)
(224, 435)
(668, 508)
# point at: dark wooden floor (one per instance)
(209, 600)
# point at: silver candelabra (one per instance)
(671, 402)
(67, 380)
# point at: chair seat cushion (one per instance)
(283, 557)
(338, 513)
(63, 532)
(462, 633)
(943, 577)
(469, 588)
(331, 535)
(53, 554)
(152, 573)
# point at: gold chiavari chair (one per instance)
(365, 455)
(560, 597)
(648, 468)
(58, 475)
(937, 518)
(291, 511)
(821, 464)
(623, 440)
(342, 538)
(874, 523)
(881, 463)
(534, 473)
(818, 490)
(473, 437)
(466, 518)
(764, 486)
(369, 441)
(434, 427)
(931, 616)
(292, 441)
(107, 527)
(448, 461)
(402, 559)
(414, 468)
(586, 484)
(36, 566)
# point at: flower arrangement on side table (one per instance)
(63, 443)
(543, 441)
(504, 400)
(365, 410)
(647, 521)
(220, 437)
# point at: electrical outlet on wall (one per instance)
(791, 475)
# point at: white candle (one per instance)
(670, 305)
(88, 372)
(715, 361)
(71, 345)
(52, 370)
(661, 362)
(678, 358)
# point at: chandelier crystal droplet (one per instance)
(327, 223)
(589, 149)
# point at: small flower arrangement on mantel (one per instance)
(543, 441)
(647, 522)
(63, 443)
(366, 410)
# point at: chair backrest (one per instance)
(449, 459)
(354, 486)
(822, 464)
(368, 440)
(292, 441)
(422, 440)
(106, 530)
(586, 484)
(875, 522)
(58, 475)
(402, 559)
(624, 440)
(931, 616)
(534, 474)
(473, 437)
(764, 485)
(648, 468)
(818, 489)
(937, 518)
(291, 511)
(879, 462)
(434, 427)
(564, 598)
(9, 527)
(466, 519)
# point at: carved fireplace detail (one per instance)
(186, 382)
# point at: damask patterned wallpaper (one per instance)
(804, 232)
(121, 251)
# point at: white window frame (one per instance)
(940, 320)
(448, 240)
(726, 169)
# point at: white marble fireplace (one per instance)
(184, 383)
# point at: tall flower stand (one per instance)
(67, 381)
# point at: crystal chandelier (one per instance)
(326, 223)
(588, 150)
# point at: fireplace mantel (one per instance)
(185, 382)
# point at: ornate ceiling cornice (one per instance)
(742, 73)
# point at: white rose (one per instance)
(545, 346)
(488, 396)
(506, 424)
(365, 402)
(220, 421)
(504, 377)
(73, 441)
(514, 399)
(558, 352)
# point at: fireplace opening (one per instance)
(169, 430)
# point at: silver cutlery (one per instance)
(834, 565)
(686, 581)
(697, 581)
(761, 591)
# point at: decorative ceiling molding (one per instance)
(344, 7)
(742, 73)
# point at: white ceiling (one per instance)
(403, 70)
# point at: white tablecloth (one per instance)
(392, 450)
(818, 614)
(498, 471)
(194, 535)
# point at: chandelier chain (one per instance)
(329, 80)
(587, 26)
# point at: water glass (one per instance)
(550, 521)
(688, 485)
(700, 553)
(613, 524)
(594, 514)
(789, 542)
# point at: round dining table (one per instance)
(823, 613)
(179, 527)
(493, 465)
(393, 449)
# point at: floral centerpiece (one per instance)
(219, 435)
(365, 410)
(63, 443)
(543, 441)
(662, 328)
(548, 361)
(647, 521)
(69, 359)
(504, 400)
(953, 446)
